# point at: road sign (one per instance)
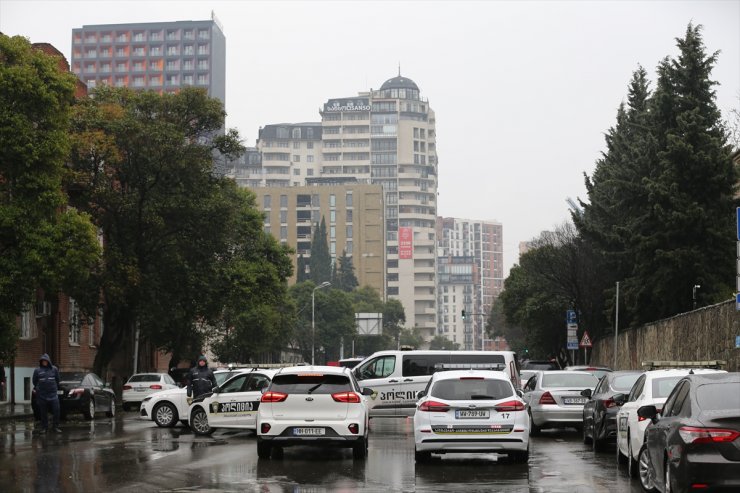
(738, 223)
(737, 302)
(585, 340)
(737, 341)
(570, 317)
(573, 345)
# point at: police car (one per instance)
(233, 404)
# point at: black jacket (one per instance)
(46, 380)
(200, 381)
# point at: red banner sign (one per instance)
(405, 243)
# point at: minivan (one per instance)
(397, 376)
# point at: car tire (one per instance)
(264, 449)
(632, 469)
(422, 457)
(596, 444)
(520, 457)
(111, 413)
(534, 430)
(643, 462)
(89, 411)
(359, 449)
(165, 415)
(199, 422)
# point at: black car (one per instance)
(600, 412)
(544, 365)
(695, 443)
(85, 393)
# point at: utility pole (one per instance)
(313, 318)
(616, 329)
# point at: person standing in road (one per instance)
(200, 379)
(46, 384)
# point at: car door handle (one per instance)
(408, 380)
(393, 381)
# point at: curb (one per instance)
(8, 417)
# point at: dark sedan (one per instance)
(695, 443)
(85, 393)
(600, 412)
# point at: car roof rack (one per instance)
(470, 366)
(714, 364)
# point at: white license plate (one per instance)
(472, 414)
(574, 400)
(60, 392)
(303, 432)
(140, 389)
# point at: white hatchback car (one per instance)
(652, 388)
(471, 411)
(142, 385)
(167, 407)
(313, 405)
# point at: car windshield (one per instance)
(71, 377)
(719, 396)
(222, 376)
(144, 377)
(310, 383)
(624, 383)
(566, 379)
(540, 365)
(663, 386)
(472, 389)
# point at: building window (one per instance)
(309, 159)
(349, 231)
(332, 216)
(333, 247)
(349, 215)
(350, 247)
(283, 232)
(74, 322)
(297, 171)
(315, 200)
(332, 200)
(187, 80)
(296, 158)
(296, 145)
(309, 135)
(309, 171)
(422, 133)
(202, 49)
(266, 202)
(202, 79)
(283, 217)
(188, 50)
(309, 145)
(28, 324)
(283, 201)
(203, 34)
(296, 133)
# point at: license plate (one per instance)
(140, 389)
(472, 414)
(60, 392)
(574, 400)
(311, 432)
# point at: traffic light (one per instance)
(463, 314)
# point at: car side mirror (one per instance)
(420, 394)
(216, 390)
(519, 392)
(586, 393)
(619, 399)
(647, 412)
(367, 391)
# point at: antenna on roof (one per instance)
(399, 69)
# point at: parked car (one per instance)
(694, 443)
(597, 371)
(141, 385)
(313, 405)
(233, 404)
(542, 365)
(651, 388)
(85, 393)
(471, 411)
(167, 407)
(554, 399)
(600, 411)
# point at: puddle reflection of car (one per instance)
(555, 400)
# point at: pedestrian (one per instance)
(46, 384)
(200, 379)
(2, 382)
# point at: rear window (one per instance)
(718, 396)
(426, 364)
(624, 383)
(472, 389)
(566, 379)
(71, 377)
(311, 384)
(663, 386)
(144, 378)
(539, 365)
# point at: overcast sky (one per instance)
(523, 90)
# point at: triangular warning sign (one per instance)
(585, 340)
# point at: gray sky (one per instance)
(523, 91)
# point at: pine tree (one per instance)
(320, 261)
(344, 273)
(301, 274)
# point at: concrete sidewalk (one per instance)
(17, 411)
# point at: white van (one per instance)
(397, 376)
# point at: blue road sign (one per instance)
(737, 302)
(570, 315)
(738, 223)
(572, 345)
(737, 341)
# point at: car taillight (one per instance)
(155, 387)
(76, 392)
(265, 427)
(609, 403)
(126, 387)
(346, 397)
(434, 407)
(691, 434)
(354, 428)
(273, 397)
(509, 406)
(547, 398)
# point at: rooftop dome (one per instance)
(399, 83)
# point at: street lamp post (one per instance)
(693, 293)
(324, 284)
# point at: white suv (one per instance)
(652, 388)
(313, 405)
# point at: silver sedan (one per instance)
(554, 399)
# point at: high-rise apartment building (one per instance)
(471, 276)
(157, 56)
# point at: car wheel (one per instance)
(586, 439)
(632, 468)
(89, 411)
(199, 422)
(643, 463)
(520, 457)
(165, 415)
(263, 449)
(422, 456)
(111, 413)
(596, 444)
(359, 449)
(534, 430)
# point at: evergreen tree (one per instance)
(301, 274)
(320, 261)
(343, 274)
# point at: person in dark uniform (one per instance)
(200, 379)
(46, 384)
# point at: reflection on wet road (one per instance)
(126, 454)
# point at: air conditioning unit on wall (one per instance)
(43, 309)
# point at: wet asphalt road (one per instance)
(128, 455)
